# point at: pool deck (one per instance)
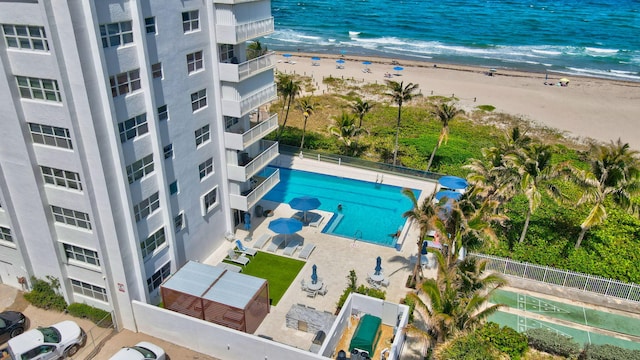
(335, 256)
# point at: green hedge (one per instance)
(608, 352)
(505, 339)
(552, 343)
(97, 316)
(44, 294)
(468, 347)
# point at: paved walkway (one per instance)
(335, 256)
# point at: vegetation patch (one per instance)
(279, 271)
(44, 294)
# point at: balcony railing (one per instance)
(237, 33)
(239, 72)
(232, 2)
(246, 202)
(239, 108)
(244, 171)
(244, 140)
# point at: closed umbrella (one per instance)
(247, 221)
(378, 268)
(314, 274)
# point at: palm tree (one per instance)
(455, 302)
(536, 173)
(445, 113)
(345, 129)
(307, 106)
(421, 214)
(360, 108)
(255, 49)
(615, 174)
(290, 89)
(399, 95)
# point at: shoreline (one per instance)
(589, 108)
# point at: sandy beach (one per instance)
(600, 109)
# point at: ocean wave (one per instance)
(616, 74)
(601, 51)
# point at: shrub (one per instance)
(608, 352)
(375, 293)
(44, 294)
(505, 339)
(553, 343)
(411, 303)
(467, 347)
(486, 107)
(89, 312)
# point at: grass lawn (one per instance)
(279, 271)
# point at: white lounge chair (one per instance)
(237, 258)
(245, 250)
(230, 267)
(291, 248)
(275, 244)
(306, 250)
(262, 240)
(317, 222)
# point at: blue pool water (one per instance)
(370, 211)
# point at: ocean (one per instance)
(599, 38)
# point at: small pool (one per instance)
(370, 212)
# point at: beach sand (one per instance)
(600, 109)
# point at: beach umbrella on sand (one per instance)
(564, 80)
(340, 61)
(366, 63)
(314, 61)
(398, 68)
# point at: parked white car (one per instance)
(141, 351)
(57, 341)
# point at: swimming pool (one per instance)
(370, 212)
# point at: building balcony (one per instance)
(238, 33)
(232, 2)
(241, 140)
(245, 103)
(263, 184)
(238, 72)
(249, 166)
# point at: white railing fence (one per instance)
(565, 278)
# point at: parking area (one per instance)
(105, 341)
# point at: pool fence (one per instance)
(563, 278)
(359, 163)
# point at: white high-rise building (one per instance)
(131, 139)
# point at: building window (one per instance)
(25, 37)
(150, 244)
(202, 135)
(198, 100)
(147, 206)
(206, 168)
(150, 25)
(158, 277)
(194, 62)
(156, 70)
(133, 127)
(140, 168)
(173, 188)
(116, 34)
(226, 53)
(83, 288)
(178, 222)
(209, 201)
(125, 82)
(168, 151)
(163, 113)
(190, 21)
(41, 89)
(5, 234)
(71, 217)
(229, 121)
(58, 177)
(81, 254)
(50, 135)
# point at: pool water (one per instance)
(370, 212)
